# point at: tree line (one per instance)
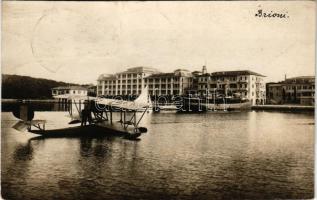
(25, 87)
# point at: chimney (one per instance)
(285, 77)
(204, 70)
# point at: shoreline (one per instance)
(29, 100)
(292, 107)
(289, 107)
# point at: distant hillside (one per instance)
(25, 87)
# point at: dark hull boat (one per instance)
(91, 130)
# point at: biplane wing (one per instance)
(121, 104)
(138, 104)
(73, 97)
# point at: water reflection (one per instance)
(23, 152)
(98, 147)
(214, 156)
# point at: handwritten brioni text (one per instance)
(270, 14)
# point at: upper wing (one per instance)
(129, 105)
(73, 97)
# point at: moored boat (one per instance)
(196, 104)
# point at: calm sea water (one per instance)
(183, 156)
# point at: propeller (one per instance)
(24, 112)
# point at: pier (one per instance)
(284, 107)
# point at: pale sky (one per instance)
(78, 41)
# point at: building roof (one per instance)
(106, 76)
(141, 69)
(72, 87)
(236, 73)
(176, 73)
(197, 72)
(274, 84)
(300, 79)
(295, 80)
(132, 70)
(161, 75)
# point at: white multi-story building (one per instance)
(174, 83)
(129, 82)
(133, 80)
(249, 85)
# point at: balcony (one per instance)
(243, 81)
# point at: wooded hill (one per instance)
(25, 87)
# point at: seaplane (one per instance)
(104, 116)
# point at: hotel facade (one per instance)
(175, 83)
(134, 80)
(247, 84)
(297, 90)
(129, 82)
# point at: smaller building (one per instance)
(72, 90)
(297, 90)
